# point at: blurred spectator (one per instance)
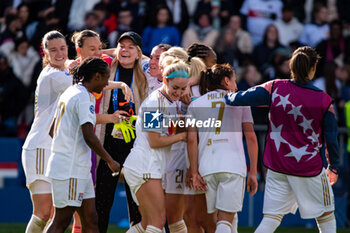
(13, 97)
(289, 28)
(344, 77)
(298, 8)
(201, 31)
(179, 12)
(329, 82)
(93, 22)
(225, 47)
(219, 10)
(78, 12)
(278, 67)
(160, 31)
(343, 7)
(332, 10)
(12, 30)
(24, 14)
(139, 10)
(62, 10)
(248, 78)
(4, 6)
(260, 14)
(317, 31)
(334, 48)
(237, 43)
(50, 22)
(236, 40)
(7, 11)
(263, 51)
(343, 74)
(124, 24)
(282, 68)
(107, 20)
(23, 60)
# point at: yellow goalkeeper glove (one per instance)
(127, 130)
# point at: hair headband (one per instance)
(179, 74)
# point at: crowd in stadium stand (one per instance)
(255, 36)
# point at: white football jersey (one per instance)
(142, 158)
(50, 85)
(220, 148)
(153, 82)
(70, 155)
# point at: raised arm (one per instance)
(123, 86)
(254, 96)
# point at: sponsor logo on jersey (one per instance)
(92, 109)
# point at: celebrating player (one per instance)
(73, 136)
(52, 82)
(88, 44)
(217, 158)
(145, 165)
(301, 118)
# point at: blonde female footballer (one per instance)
(145, 165)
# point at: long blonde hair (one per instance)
(139, 84)
(177, 64)
(196, 64)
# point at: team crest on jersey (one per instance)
(92, 109)
(81, 196)
(152, 119)
(145, 67)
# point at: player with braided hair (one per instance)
(73, 136)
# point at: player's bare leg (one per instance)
(141, 226)
(76, 228)
(175, 208)
(224, 222)
(61, 220)
(42, 205)
(152, 203)
(88, 216)
(207, 221)
(190, 215)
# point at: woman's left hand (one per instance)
(118, 116)
(331, 176)
(198, 183)
(252, 184)
(127, 92)
(186, 97)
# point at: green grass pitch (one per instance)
(20, 228)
